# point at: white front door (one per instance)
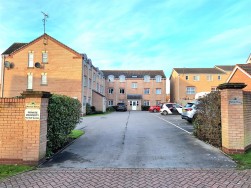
(134, 105)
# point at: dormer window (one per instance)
(146, 78)
(122, 78)
(158, 78)
(110, 78)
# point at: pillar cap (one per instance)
(232, 86)
(36, 94)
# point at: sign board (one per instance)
(32, 105)
(32, 114)
(235, 101)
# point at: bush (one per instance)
(145, 108)
(110, 109)
(88, 109)
(207, 123)
(63, 115)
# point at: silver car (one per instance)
(189, 111)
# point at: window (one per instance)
(158, 78)
(146, 91)
(158, 91)
(44, 57)
(89, 100)
(84, 101)
(213, 88)
(94, 77)
(158, 102)
(121, 91)
(43, 78)
(187, 77)
(209, 77)
(110, 102)
(29, 80)
(90, 83)
(219, 77)
(122, 78)
(134, 85)
(85, 81)
(146, 103)
(146, 78)
(30, 59)
(190, 90)
(110, 90)
(101, 89)
(196, 78)
(110, 78)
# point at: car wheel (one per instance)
(154, 110)
(165, 113)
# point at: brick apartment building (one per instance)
(135, 87)
(186, 82)
(45, 64)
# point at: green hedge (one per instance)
(63, 115)
(207, 123)
(145, 108)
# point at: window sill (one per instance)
(30, 67)
(43, 84)
(45, 63)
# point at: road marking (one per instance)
(172, 124)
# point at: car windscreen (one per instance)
(188, 105)
(121, 104)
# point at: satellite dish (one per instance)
(7, 64)
(37, 65)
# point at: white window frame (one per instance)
(122, 78)
(134, 85)
(121, 89)
(210, 77)
(110, 78)
(110, 90)
(158, 91)
(213, 89)
(30, 81)
(147, 78)
(219, 77)
(187, 77)
(146, 103)
(85, 81)
(31, 59)
(190, 90)
(196, 78)
(44, 80)
(146, 91)
(110, 102)
(158, 78)
(44, 57)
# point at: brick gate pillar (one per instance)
(35, 126)
(232, 118)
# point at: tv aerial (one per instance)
(44, 21)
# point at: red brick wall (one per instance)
(22, 141)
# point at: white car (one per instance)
(171, 108)
(189, 111)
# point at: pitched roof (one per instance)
(226, 68)
(198, 71)
(134, 73)
(13, 48)
(35, 40)
(245, 67)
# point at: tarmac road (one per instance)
(138, 140)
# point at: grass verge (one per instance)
(10, 170)
(76, 133)
(243, 160)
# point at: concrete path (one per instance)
(130, 178)
(138, 140)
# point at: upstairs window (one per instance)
(219, 77)
(187, 77)
(122, 78)
(85, 81)
(196, 78)
(209, 77)
(147, 91)
(158, 78)
(121, 90)
(134, 85)
(110, 78)
(44, 57)
(90, 83)
(30, 59)
(94, 77)
(146, 78)
(158, 91)
(29, 81)
(110, 90)
(43, 78)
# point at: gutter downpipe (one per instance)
(2, 74)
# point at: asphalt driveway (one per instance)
(138, 140)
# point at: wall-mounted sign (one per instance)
(32, 114)
(32, 105)
(235, 101)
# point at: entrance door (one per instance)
(134, 105)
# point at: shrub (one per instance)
(88, 109)
(93, 109)
(207, 123)
(63, 115)
(110, 109)
(145, 108)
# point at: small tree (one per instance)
(207, 123)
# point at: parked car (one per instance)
(155, 108)
(171, 108)
(121, 107)
(189, 111)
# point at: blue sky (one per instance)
(137, 34)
